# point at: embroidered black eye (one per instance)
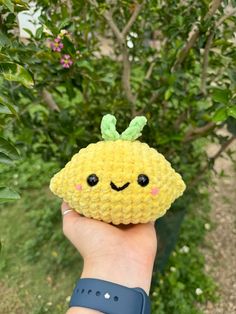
(92, 179)
(143, 180)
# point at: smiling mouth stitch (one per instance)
(116, 188)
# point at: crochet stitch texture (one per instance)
(118, 163)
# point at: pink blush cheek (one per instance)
(78, 187)
(154, 191)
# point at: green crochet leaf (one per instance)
(134, 130)
(108, 128)
(109, 133)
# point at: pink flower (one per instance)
(66, 61)
(57, 45)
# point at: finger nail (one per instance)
(64, 206)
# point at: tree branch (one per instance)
(184, 52)
(132, 19)
(198, 131)
(126, 80)
(113, 26)
(213, 8)
(121, 38)
(205, 62)
(108, 17)
(69, 7)
(149, 71)
(47, 97)
(195, 34)
(223, 147)
(226, 16)
(94, 3)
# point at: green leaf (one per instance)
(3, 57)
(28, 31)
(8, 107)
(168, 93)
(138, 74)
(231, 125)
(220, 115)
(13, 110)
(33, 109)
(39, 32)
(4, 159)
(7, 194)
(17, 73)
(232, 75)
(8, 149)
(221, 95)
(22, 5)
(8, 4)
(4, 41)
(108, 78)
(85, 64)
(232, 111)
(64, 23)
(4, 109)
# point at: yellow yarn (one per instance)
(119, 162)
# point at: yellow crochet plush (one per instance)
(119, 180)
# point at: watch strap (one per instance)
(109, 298)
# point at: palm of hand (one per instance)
(95, 239)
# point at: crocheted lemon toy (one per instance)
(119, 180)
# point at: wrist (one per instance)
(118, 269)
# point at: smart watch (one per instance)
(109, 298)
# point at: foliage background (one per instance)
(173, 62)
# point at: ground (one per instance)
(28, 284)
(220, 251)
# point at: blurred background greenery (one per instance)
(173, 62)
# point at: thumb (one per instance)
(71, 221)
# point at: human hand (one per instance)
(110, 251)
(121, 254)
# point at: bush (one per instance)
(185, 90)
(172, 62)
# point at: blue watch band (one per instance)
(110, 298)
